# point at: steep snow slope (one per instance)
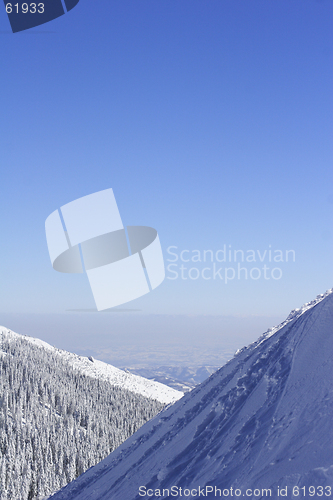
(103, 371)
(264, 420)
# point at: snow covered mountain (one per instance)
(61, 414)
(260, 426)
(103, 371)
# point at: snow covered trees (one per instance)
(56, 422)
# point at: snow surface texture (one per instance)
(103, 371)
(263, 420)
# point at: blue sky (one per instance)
(211, 121)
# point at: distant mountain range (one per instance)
(260, 426)
(61, 413)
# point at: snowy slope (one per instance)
(264, 420)
(103, 371)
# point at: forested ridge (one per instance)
(56, 422)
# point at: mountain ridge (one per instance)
(262, 421)
(104, 371)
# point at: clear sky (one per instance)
(211, 121)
